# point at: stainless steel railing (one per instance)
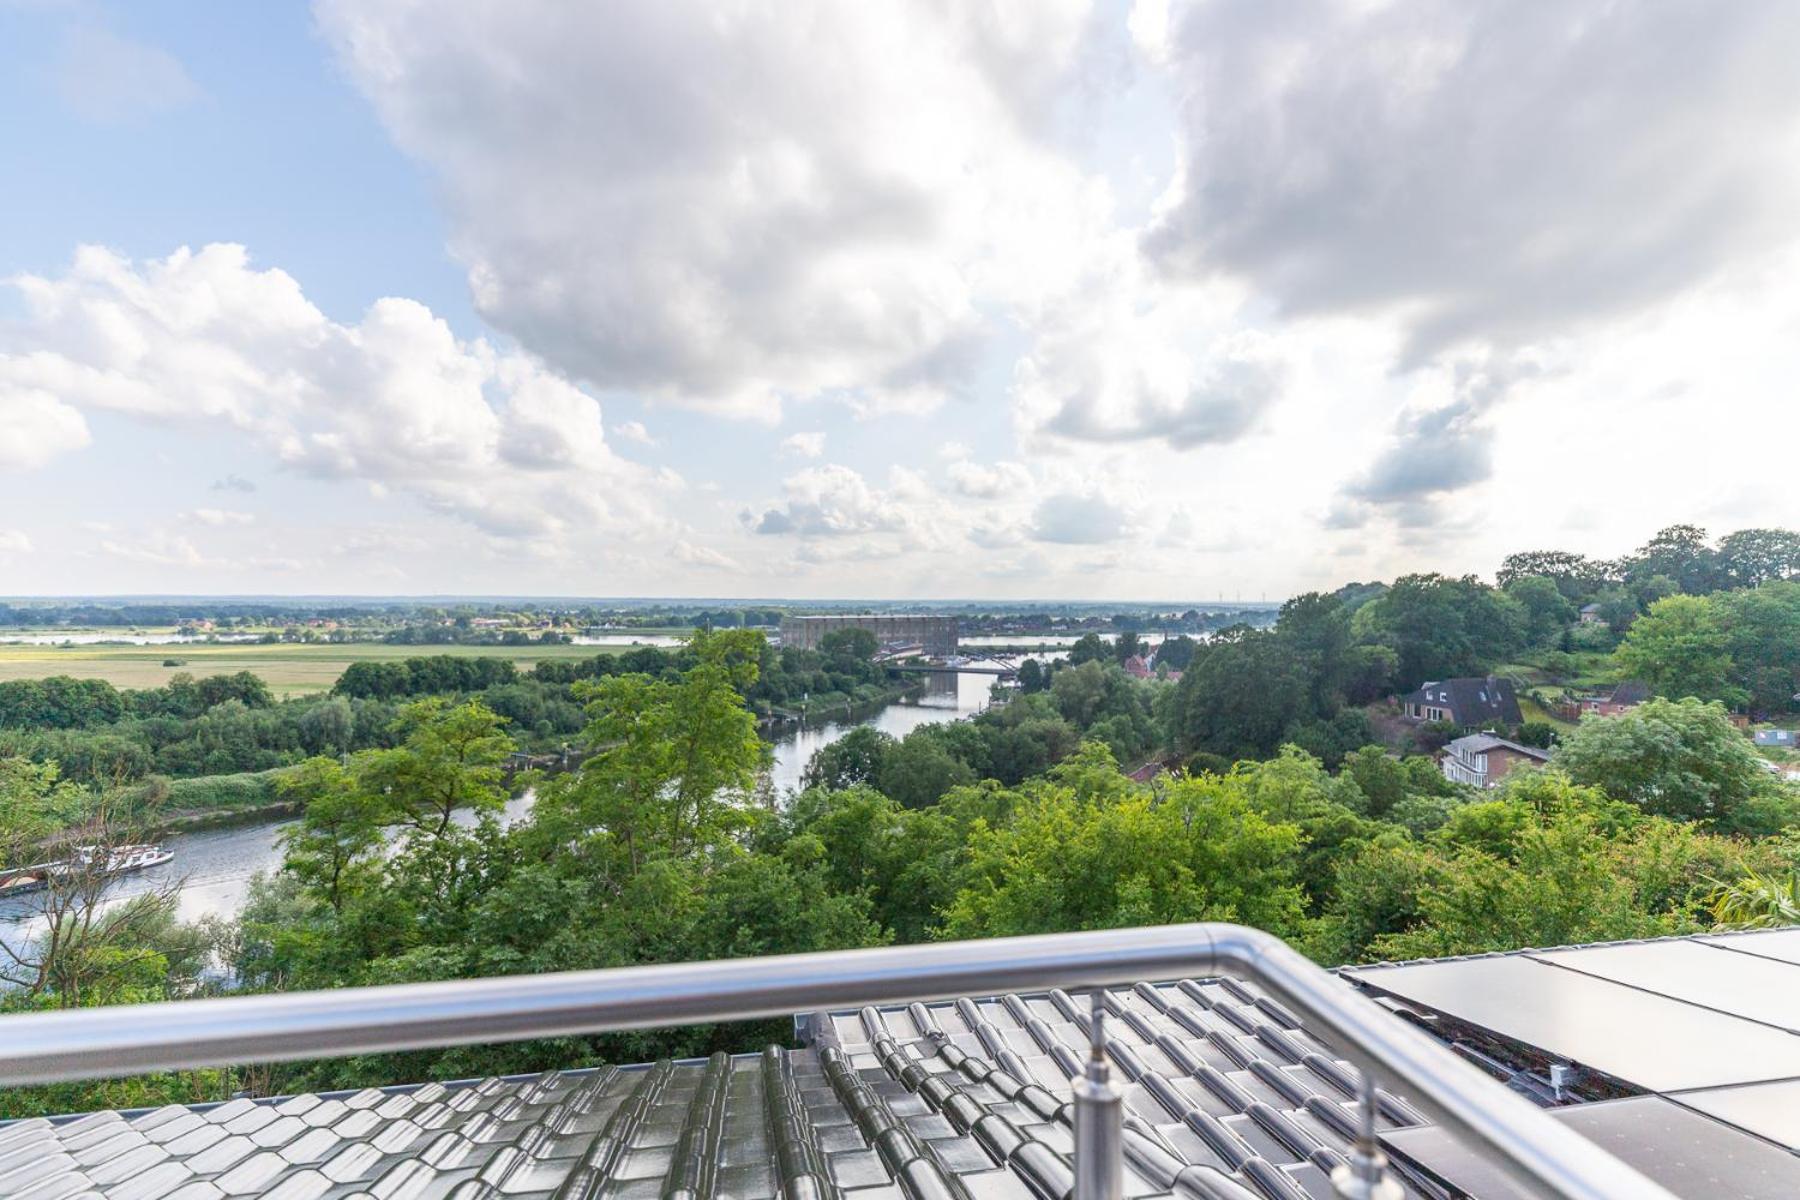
(1539, 1153)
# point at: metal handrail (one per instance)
(1538, 1152)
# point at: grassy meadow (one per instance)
(289, 670)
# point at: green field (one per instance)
(289, 670)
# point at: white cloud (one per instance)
(729, 206)
(221, 516)
(396, 401)
(108, 78)
(985, 482)
(1481, 170)
(14, 541)
(1097, 378)
(704, 556)
(633, 431)
(804, 445)
(1075, 519)
(1490, 187)
(160, 548)
(832, 501)
(35, 426)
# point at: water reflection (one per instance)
(947, 697)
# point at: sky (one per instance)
(1085, 299)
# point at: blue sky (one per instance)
(1083, 299)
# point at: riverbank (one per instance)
(841, 706)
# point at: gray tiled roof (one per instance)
(1480, 743)
(1228, 1098)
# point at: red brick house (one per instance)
(1626, 696)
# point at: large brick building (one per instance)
(936, 634)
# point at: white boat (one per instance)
(124, 859)
(118, 860)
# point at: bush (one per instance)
(174, 662)
(248, 789)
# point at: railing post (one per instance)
(1365, 1176)
(1099, 1120)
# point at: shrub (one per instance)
(247, 789)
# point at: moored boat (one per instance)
(112, 860)
(20, 883)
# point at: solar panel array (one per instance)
(1706, 1028)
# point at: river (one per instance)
(216, 865)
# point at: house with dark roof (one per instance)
(1472, 703)
(1589, 614)
(1626, 696)
(1147, 772)
(1483, 759)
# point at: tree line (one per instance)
(228, 724)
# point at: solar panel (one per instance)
(1695, 1158)
(1770, 1110)
(1762, 989)
(1783, 944)
(1657, 1044)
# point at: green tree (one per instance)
(1240, 696)
(1081, 693)
(1177, 652)
(1316, 630)
(1618, 608)
(920, 769)
(1083, 853)
(1681, 552)
(328, 727)
(450, 758)
(1441, 627)
(1680, 648)
(1547, 611)
(1751, 557)
(1384, 781)
(1762, 638)
(1575, 575)
(1089, 647)
(333, 847)
(853, 759)
(1676, 758)
(1545, 862)
(856, 644)
(671, 763)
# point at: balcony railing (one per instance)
(1538, 1152)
